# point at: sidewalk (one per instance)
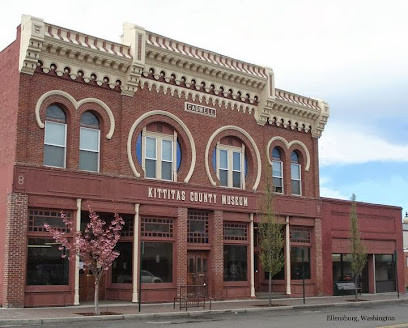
(127, 310)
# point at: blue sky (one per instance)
(351, 53)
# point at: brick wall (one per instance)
(319, 256)
(9, 87)
(126, 110)
(217, 254)
(181, 245)
(15, 259)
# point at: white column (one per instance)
(375, 284)
(77, 228)
(287, 256)
(251, 253)
(135, 280)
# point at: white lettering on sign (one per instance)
(189, 107)
(195, 197)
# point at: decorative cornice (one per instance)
(148, 59)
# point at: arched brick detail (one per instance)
(251, 150)
(66, 98)
(183, 134)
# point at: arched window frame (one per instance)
(229, 167)
(296, 174)
(83, 129)
(158, 156)
(277, 172)
(61, 126)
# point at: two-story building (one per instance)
(181, 141)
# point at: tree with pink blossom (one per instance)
(95, 246)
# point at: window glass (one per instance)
(45, 266)
(294, 158)
(236, 166)
(224, 178)
(139, 148)
(122, 266)
(88, 161)
(296, 187)
(54, 134)
(166, 173)
(236, 182)
(89, 139)
(223, 159)
(277, 169)
(56, 113)
(296, 262)
(150, 167)
(384, 273)
(179, 154)
(167, 150)
(235, 263)
(295, 169)
(157, 262)
(150, 147)
(276, 154)
(54, 156)
(90, 119)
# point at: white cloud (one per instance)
(346, 144)
(332, 193)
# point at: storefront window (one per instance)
(296, 262)
(384, 273)
(235, 263)
(122, 266)
(45, 266)
(157, 262)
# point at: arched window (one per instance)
(295, 174)
(55, 138)
(89, 142)
(277, 171)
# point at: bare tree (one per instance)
(358, 253)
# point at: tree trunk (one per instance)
(96, 297)
(270, 289)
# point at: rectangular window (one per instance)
(150, 157)
(296, 179)
(159, 156)
(122, 266)
(197, 227)
(384, 273)
(230, 166)
(235, 263)
(234, 231)
(277, 176)
(55, 144)
(155, 227)
(223, 168)
(236, 169)
(45, 266)
(296, 262)
(157, 262)
(167, 160)
(89, 149)
(300, 234)
(37, 218)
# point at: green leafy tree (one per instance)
(358, 252)
(270, 238)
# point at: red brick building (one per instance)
(178, 140)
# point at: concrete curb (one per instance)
(181, 314)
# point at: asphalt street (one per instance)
(382, 315)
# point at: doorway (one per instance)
(197, 268)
